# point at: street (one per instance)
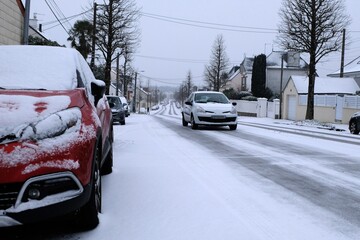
(258, 182)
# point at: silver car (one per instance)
(209, 108)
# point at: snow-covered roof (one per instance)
(274, 59)
(326, 85)
(351, 67)
(247, 63)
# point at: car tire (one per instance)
(108, 164)
(353, 128)
(87, 218)
(122, 122)
(233, 127)
(193, 124)
(184, 123)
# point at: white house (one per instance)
(11, 22)
(293, 64)
(334, 99)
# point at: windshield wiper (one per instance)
(8, 138)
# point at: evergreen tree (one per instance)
(80, 37)
(258, 79)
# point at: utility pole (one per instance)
(134, 98)
(281, 81)
(342, 55)
(117, 74)
(92, 63)
(26, 23)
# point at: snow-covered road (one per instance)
(172, 182)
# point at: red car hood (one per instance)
(19, 108)
(19, 158)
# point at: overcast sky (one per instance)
(174, 41)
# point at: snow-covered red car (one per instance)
(55, 136)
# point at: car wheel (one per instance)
(184, 123)
(122, 122)
(233, 127)
(87, 217)
(193, 124)
(353, 128)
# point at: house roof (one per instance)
(273, 60)
(247, 63)
(351, 67)
(326, 85)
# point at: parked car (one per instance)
(209, 108)
(354, 123)
(126, 106)
(117, 109)
(55, 136)
(156, 107)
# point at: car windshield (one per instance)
(34, 67)
(210, 97)
(115, 102)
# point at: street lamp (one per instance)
(134, 97)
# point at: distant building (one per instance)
(12, 14)
(11, 22)
(293, 64)
(332, 100)
(352, 69)
(240, 76)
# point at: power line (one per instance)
(169, 81)
(209, 25)
(51, 9)
(174, 59)
(66, 18)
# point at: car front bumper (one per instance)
(218, 120)
(25, 210)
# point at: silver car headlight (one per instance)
(199, 109)
(53, 125)
(233, 110)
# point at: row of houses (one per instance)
(293, 87)
(142, 96)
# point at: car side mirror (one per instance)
(98, 91)
(188, 103)
(234, 103)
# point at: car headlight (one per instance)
(233, 110)
(53, 125)
(200, 109)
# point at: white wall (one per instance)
(11, 23)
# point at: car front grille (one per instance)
(217, 120)
(8, 195)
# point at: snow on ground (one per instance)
(166, 187)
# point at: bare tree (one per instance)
(313, 27)
(215, 72)
(117, 31)
(189, 83)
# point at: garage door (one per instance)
(291, 111)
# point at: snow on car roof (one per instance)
(38, 67)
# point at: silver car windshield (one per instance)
(210, 98)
